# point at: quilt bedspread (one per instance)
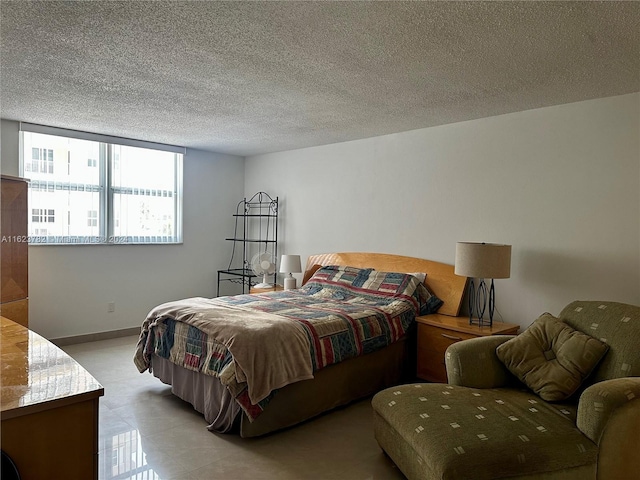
(343, 311)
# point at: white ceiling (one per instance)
(256, 77)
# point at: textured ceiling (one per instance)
(256, 77)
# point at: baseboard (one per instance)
(94, 337)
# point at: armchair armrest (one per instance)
(604, 400)
(474, 363)
(609, 414)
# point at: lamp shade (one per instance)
(290, 264)
(483, 260)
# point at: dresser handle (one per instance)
(450, 337)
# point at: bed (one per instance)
(231, 391)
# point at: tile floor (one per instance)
(147, 433)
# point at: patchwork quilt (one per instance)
(340, 313)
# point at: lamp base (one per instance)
(478, 303)
(290, 283)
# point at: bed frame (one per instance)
(358, 377)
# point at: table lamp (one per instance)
(480, 261)
(290, 264)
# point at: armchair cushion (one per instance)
(451, 432)
(552, 358)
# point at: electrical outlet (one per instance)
(111, 307)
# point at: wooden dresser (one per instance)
(49, 408)
(14, 287)
(436, 332)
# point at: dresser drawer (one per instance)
(432, 343)
(437, 339)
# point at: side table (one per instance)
(274, 288)
(436, 332)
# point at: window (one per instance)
(92, 218)
(118, 191)
(40, 215)
(41, 161)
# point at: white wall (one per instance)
(70, 286)
(561, 184)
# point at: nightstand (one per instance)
(275, 288)
(436, 332)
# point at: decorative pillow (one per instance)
(419, 275)
(395, 283)
(428, 301)
(392, 283)
(340, 274)
(551, 358)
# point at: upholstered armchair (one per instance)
(487, 424)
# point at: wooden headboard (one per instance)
(440, 277)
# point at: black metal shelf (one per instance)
(252, 212)
(239, 271)
(251, 240)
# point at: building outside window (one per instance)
(101, 191)
(92, 218)
(41, 215)
(41, 161)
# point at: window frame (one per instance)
(106, 212)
